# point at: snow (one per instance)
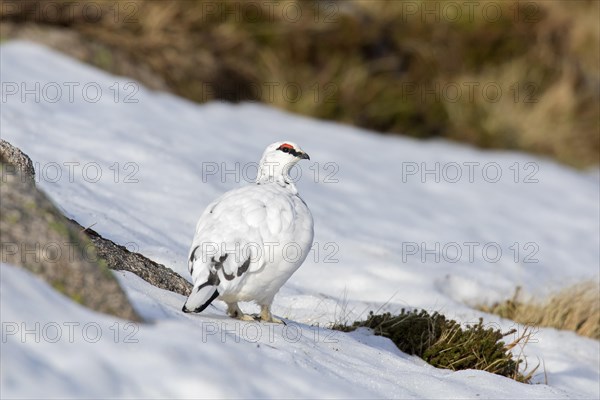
(376, 229)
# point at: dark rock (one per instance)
(36, 236)
(119, 258)
(73, 259)
(15, 159)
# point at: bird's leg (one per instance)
(266, 316)
(233, 310)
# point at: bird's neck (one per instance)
(269, 173)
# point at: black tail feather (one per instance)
(203, 306)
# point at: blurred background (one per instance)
(496, 74)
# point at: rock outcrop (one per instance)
(15, 160)
(75, 261)
(117, 257)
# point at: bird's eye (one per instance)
(286, 149)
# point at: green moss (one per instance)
(103, 59)
(76, 298)
(59, 227)
(11, 218)
(103, 265)
(60, 287)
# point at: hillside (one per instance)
(140, 166)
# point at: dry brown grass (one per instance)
(575, 308)
(369, 63)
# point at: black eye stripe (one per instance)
(289, 150)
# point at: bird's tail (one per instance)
(200, 298)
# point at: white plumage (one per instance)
(251, 240)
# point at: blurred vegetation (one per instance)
(443, 343)
(496, 74)
(575, 308)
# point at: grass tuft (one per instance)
(444, 343)
(575, 308)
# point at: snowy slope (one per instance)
(374, 219)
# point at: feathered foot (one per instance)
(266, 316)
(233, 310)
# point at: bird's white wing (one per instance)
(231, 235)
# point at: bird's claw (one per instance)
(247, 317)
(259, 318)
(276, 321)
(273, 320)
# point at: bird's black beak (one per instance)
(304, 156)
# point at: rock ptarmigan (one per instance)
(251, 240)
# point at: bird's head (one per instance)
(277, 160)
